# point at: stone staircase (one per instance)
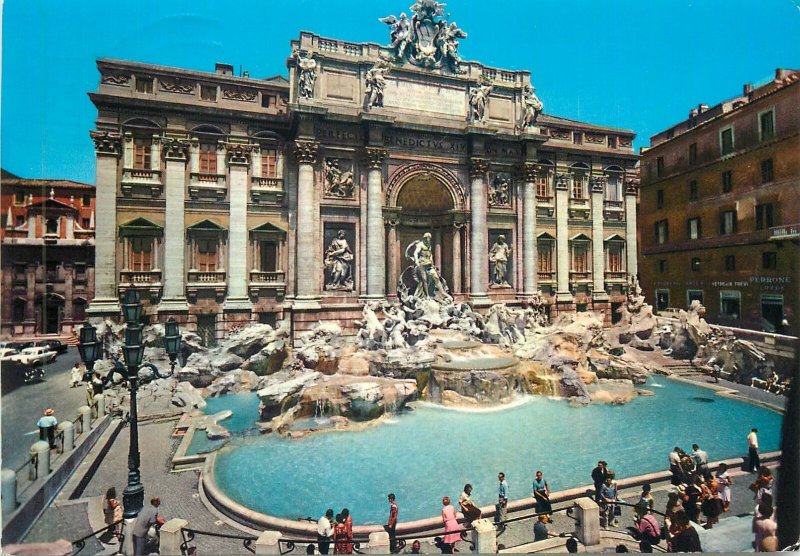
(683, 369)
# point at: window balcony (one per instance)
(546, 277)
(579, 208)
(271, 282)
(544, 200)
(207, 186)
(266, 190)
(580, 277)
(616, 277)
(148, 281)
(213, 281)
(142, 182)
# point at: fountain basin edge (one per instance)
(243, 516)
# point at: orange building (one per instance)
(47, 255)
(719, 212)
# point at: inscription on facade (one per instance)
(425, 98)
(438, 143)
(508, 150)
(338, 134)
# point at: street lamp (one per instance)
(132, 352)
(89, 349)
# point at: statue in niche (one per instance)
(338, 183)
(339, 264)
(531, 106)
(308, 75)
(376, 83)
(429, 282)
(478, 97)
(498, 257)
(499, 192)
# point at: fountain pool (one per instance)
(429, 452)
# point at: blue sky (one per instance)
(635, 64)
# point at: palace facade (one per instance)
(227, 199)
(720, 220)
(48, 255)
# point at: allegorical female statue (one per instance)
(498, 257)
(339, 264)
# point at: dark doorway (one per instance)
(52, 307)
(772, 313)
(662, 301)
(615, 314)
(206, 329)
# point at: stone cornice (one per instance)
(306, 152)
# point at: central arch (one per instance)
(425, 198)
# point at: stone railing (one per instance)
(613, 205)
(582, 276)
(544, 199)
(141, 180)
(546, 276)
(266, 190)
(616, 276)
(207, 186)
(208, 281)
(206, 277)
(269, 281)
(147, 280)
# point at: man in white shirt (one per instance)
(700, 458)
(325, 531)
(675, 466)
(752, 448)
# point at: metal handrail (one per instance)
(188, 536)
(80, 544)
(291, 544)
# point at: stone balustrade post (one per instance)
(587, 522)
(8, 490)
(479, 253)
(85, 413)
(378, 543)
(68, 431)
(41, 449)
(484, 537)
(171, 538)
(100, 404)
(268, 543)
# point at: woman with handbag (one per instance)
(146, 526)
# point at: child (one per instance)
(724, 481)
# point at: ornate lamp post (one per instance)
(132, 351)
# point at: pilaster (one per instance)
(597, 185)
(478, 232)
(238, 157)
(631, 248)
(176, 154)
(563, 294)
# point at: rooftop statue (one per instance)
(531, 106)
(376, 83)
(425, 40)
(308, 75)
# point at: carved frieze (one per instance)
(560, 134)
(306, 152)
(175, 85)
(625, 142)
(239, 93)
(106, 143)
(595, 139)
(115, 78)
(478, 167)
(500, 191)
(339, 178)
(373, 157)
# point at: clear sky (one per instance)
(637, 64)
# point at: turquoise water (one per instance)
(245, 413)
(425, 454)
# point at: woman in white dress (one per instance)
(724, 484)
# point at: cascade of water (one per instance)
(320, 408)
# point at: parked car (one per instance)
(19, 346)
(35, 356)
(54, 345)
(7, 354)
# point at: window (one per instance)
(693, 154)
(662, 265)
(144, 85)
(764, 217)
(269, 163)
(18, 314)
(206, 255)
(766, 171)
(660, 199)
(662, 300)
(85, 223)
(727, 181)
(727, 222)
(208, 92)
(545, 255)
(769, 260)
(730, 263)
(268, 101)
(614, 187)
(766, 124)
(614, 262)
(726, 141)
(580, 257)
(612, 142)
(51, 226)
(269, 256)
(693, 230)
(579, 186)
(543, 186)
(141, 153)
(730, 303)
(20, 220)
(19, 197)
(662, 231)
(772, 313)
(694, 295)
(577, 138)
(141, 254)
(79, 310)
(693, 190)
(86, 200)
(695, 263)
(208, 158)
(660, 166)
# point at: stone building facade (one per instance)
(47, 255)
(720, 221)
(233, 199)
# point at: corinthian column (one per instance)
(631, 191)
(598, 254)
(478, 237)
(376, 252)
(176, 155)
(307, 274)
(107, 149)
(562, 239)
(529, 229)
(238, 162)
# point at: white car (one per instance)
(7, 354)
(35, 356)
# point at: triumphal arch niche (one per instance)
(405, 139)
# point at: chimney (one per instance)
(223, 69)
(747, 90)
